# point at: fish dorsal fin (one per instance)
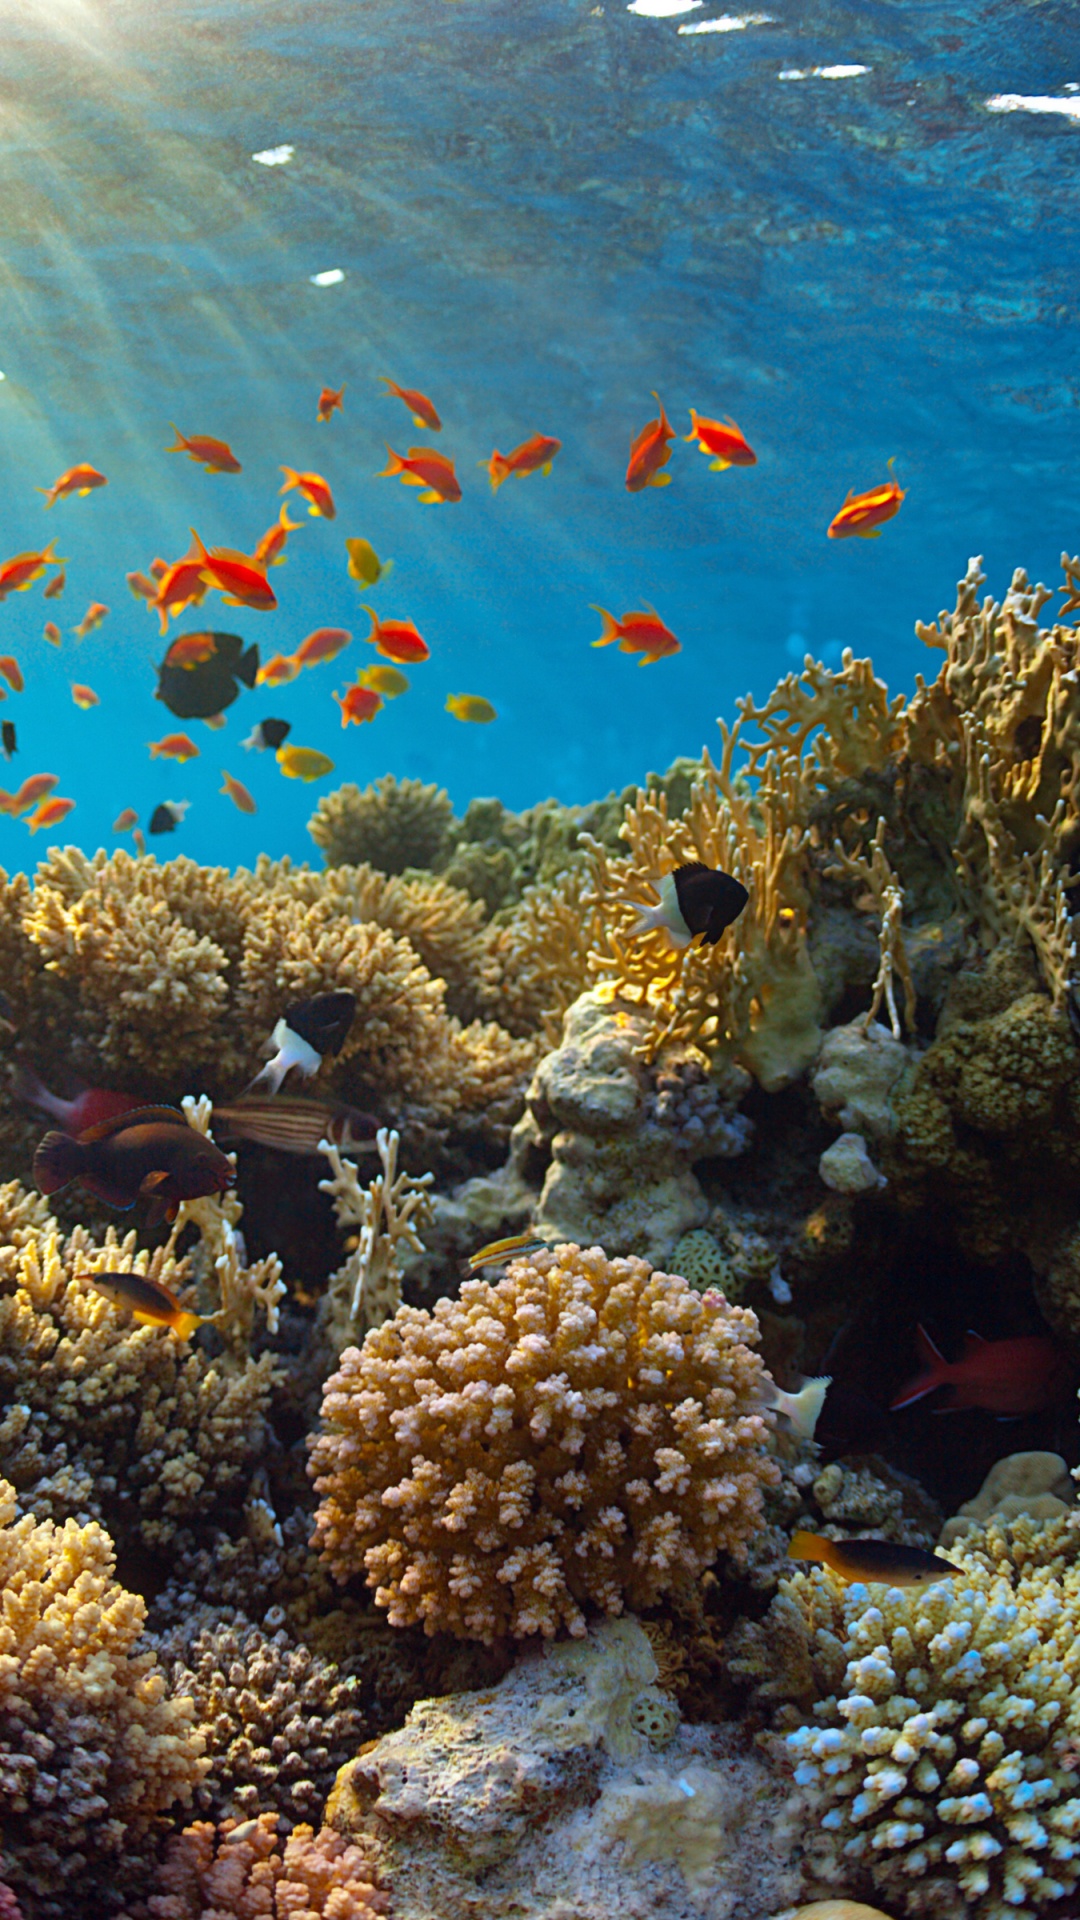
(135, 1117)
(979, 1338)
(690, 866)
(973, 1344)
(930, 1355)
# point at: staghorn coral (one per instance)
(939, 1759)
(278, 1721)
(582, 1434)
(219, 1262)
(366, 1290)
(92, 1745)
(238, 1871)
(391, 825)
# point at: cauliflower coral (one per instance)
(584, 1433)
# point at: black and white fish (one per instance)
(307, 1030)
(694, 899)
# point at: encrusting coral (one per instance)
(92, 1744)
(240, 1871)
(583, 1434)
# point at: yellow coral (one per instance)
(584, 1433)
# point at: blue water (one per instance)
(543, 210)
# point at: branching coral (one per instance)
(391, 825)
(220, 1261)
(583, 1434)
(366, 1290)
(92, 1745)
(239, 1871)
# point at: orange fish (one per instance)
(49, 813)
(641, 632)
(19, 573)
(862, 514)
(139, 838)
(80, 480)
(32, 790)
(180, 586)
(93, 617)
(329, 400)
(397, 640)
(125, 821)
(650, 451)
(142, 587)
(270, 551)
(278, 671)
(191, 649)
(424, 468)
(174, 746)
(1006, 1377)
(315, 490)
(242, 581)
(84, 697)
(215, 455)
(723, 440)
(324, 644)
(52, 633)
(158, 570)
(238, 793)
(533, 455)
(12, 672)
(422, 409)
(56, 586)
(359, 704)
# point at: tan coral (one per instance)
(582, 1434)
(366, 1290)
(240, 1871)
(391, 825)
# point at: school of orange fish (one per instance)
(171, 588)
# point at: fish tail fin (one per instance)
(181, 443)
(185, 1324)
(806, 1406)
(155, 750)
(498, 467)
(693, 433)
(49, 492)
(610, 628)
(809, 1546)
(292, 479)
(58, 1159)
(247, 667)
(935, 1373)
(50, 554)
(395, 463)
(31, 1091)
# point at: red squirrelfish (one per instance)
(643, 632)
(270, 551)
(650, 451)
(82, 480)
(19, 573)
(423, 467)
(723, 440)
(315, 490)
(149, 1153)
(422, 409)
(89, 1107)
(863, 514)
(359, 704)
(215, 455)
(324, 644)
(533, 456)
(1006, 1377)
(397, 640)
(240, 578)
(329, 402)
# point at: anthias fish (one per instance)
(278, 671)
(421, 408)
(12, 672)
(18, 574)
(471, 707)
(294, 1125)
(197, 688)
(694, 900)
(238, 576)
(396, 640)
(92, 618)
(303, 763)
(84, 696)
(215, 455)
(649, 451)
(385, 680)
(641, 632)
(32, 790)
(52, 633)
(884, 1562)
(863, 514)
(534, 455)
(81, 480)
(236, 791)
(267, 733)
(423, 467)
(497, 1252)
(270, 549)
(364, 563)
(174, 746)
(49, 813)
(179, 586)
(150, 1154)
(329, 403)
(802, 1410)
(324, 644)
(125, 821)
(722, 440)
(167, 817)
(315, 490)
(307, 1030)
(147, 1301)
(358, 704)
(55, 586)
(1006, 1377)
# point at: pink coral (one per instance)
(239, 1872)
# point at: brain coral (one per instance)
(942, 1759)
(239, 1872)
(583, 1433)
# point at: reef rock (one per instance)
(1037, 1484)
(857, 1069)
(542, 1797)
(846, 1166)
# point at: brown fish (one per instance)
(884, 1562)
(296, 1126)
(150, 1154)
(148, 1302)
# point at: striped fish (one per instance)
(296, 1125)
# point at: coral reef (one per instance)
(1036, 1484)
(92, 1744)
(366, 1290)
(239, 1871)
(584, 1433)
(391, 825)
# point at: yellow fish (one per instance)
(385, 680)
(470, 706)
(151, 1304)
(498, 1251)
(303, 763)
(364, 563)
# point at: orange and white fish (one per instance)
(639, 632)
(52, 633)
(329, 402)
(863, 514)
(534, 455)
(125, 821)
(278, 671)
(33, 789)
(215, 455)
(237, 793)
(236, 575)
(315, 490)
(270, 550)
(180, 586)
(422, 409)
(324, 644)
(81, 480)
(359, 704)
(721, 439)
(423, 467)
(49, 813)
(174, 746)
(649, 451)
(84, 697)
(12, 672)
(55, 587)
(397, 640)
(93, 617)
(18, 574)
(141, 586)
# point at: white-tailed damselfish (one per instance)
(695, 899)
(307, 1030)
